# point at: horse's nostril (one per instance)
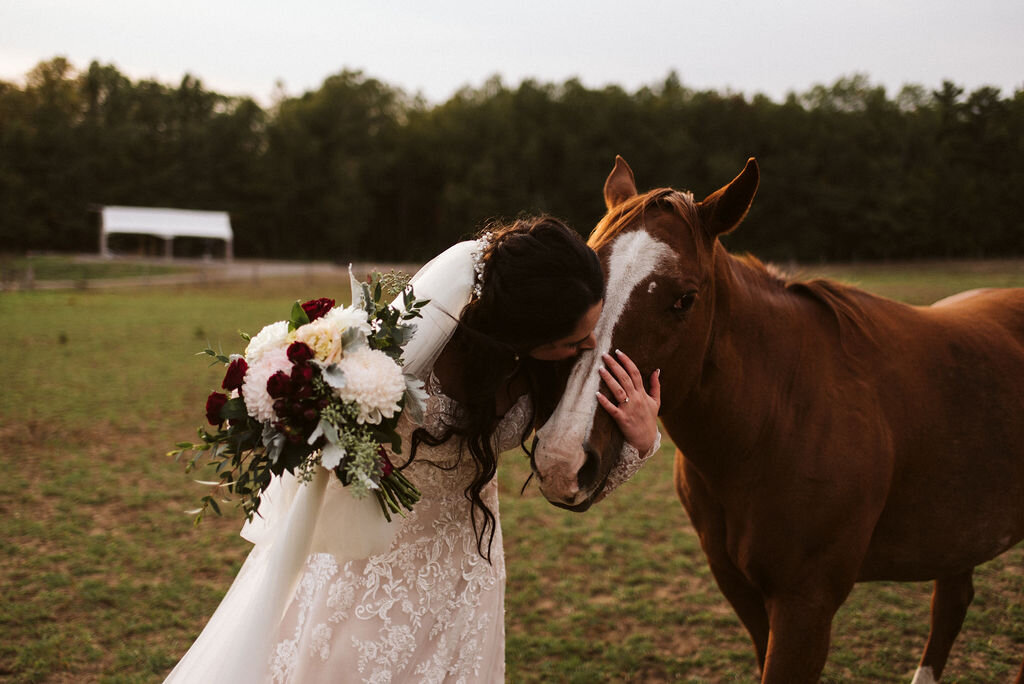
(587, 474)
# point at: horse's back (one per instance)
(961, 296)
(1001, 307)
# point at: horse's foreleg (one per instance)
(950, 599)
(708, 520)
(748, 602)
(798, 643)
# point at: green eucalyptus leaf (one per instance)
(298, 317)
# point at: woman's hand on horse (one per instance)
(635, 411)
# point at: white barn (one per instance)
(166, 224)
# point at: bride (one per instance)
(427, 605)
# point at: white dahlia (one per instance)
(372, 380)
(273, 336)
(258, 403)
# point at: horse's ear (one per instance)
(620, 185)
(723, 209)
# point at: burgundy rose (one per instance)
(235, 374)
(386, 467)
(299, 352)
(315, 308)
(301, 375)
(214, 403)
(278, 384)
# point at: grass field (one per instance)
(104, 578)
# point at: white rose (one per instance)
(324, 335)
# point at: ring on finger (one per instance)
(626, 400)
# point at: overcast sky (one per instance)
(436, 46)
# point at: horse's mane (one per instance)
(843, 301)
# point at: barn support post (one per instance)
(104, 250)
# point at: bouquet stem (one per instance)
(396, 493)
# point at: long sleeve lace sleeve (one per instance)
(628, 465)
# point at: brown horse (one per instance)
(826, 436)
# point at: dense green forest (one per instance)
(360, 169)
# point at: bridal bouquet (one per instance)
(324, 388)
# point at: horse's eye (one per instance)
(684, 303)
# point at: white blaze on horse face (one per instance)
(634, 257)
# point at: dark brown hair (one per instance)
(539, 279)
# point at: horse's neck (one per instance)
(755, 316)
(759, 335)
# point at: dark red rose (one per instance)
(235, 374)
(214, 403)
(278, 384)
(386, 467)
(301, 375)
(299, 352)
(315, 308)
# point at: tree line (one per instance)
(359, 169)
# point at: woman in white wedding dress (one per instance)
(424, 601)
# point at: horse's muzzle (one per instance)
(569, 481)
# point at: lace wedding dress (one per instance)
(431, 609)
